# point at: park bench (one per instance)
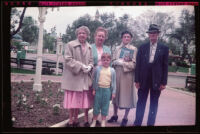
(23, 62)
(28, 62)
(46, 65)
(190, 80)
(13, 60)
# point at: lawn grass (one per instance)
(177, 69)
(183, 69)
(172, 68)
(23, 71)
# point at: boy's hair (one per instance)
(104, 55)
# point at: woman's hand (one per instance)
(118, 62)
(113, 96)
(86, 68)
(93, 92)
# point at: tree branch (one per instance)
(20, 23)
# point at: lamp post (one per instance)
(37, 86)
(58, 52)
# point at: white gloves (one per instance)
(118, 62)
(86, 68)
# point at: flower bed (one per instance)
(37, 109)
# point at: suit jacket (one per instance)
(159, 69)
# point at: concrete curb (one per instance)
(63, 123)
(180, 91)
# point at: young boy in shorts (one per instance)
(104, 85)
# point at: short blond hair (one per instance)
(101, 29)
(105, 54)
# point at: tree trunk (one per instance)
(20, 22)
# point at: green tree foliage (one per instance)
(30, 30)
(108, 21)
(175, 38)
(141, 24)
(49, 41)
(185, 34)
(86, 21)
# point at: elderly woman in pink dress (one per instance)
(77, 76)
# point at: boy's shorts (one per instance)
(102, 101)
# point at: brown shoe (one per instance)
(113, 119)
(86, 124)
(69, 125)
(76, 124)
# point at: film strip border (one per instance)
(91, 3)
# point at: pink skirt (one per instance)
(78, 99)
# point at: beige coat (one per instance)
(126, 92)
(73, 77)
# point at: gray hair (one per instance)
(84, 28)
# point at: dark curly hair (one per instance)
(126, 32)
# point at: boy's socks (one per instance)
(93, 123)
(103, 123)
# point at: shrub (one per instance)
(172, 68)
(183, 69)
(182, 64)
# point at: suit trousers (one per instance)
(142, 99)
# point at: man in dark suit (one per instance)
(150, 75)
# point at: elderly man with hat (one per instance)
(150, 75)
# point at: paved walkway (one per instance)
(175, 107)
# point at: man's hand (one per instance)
(137, 85)
(162, 87)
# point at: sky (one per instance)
(63, 16)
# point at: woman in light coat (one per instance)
(124, 61)
(77, 76)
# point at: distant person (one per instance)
(150, 75)
(78, 63)
(124, 61)
(103, 86)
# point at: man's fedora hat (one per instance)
(153, 28)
